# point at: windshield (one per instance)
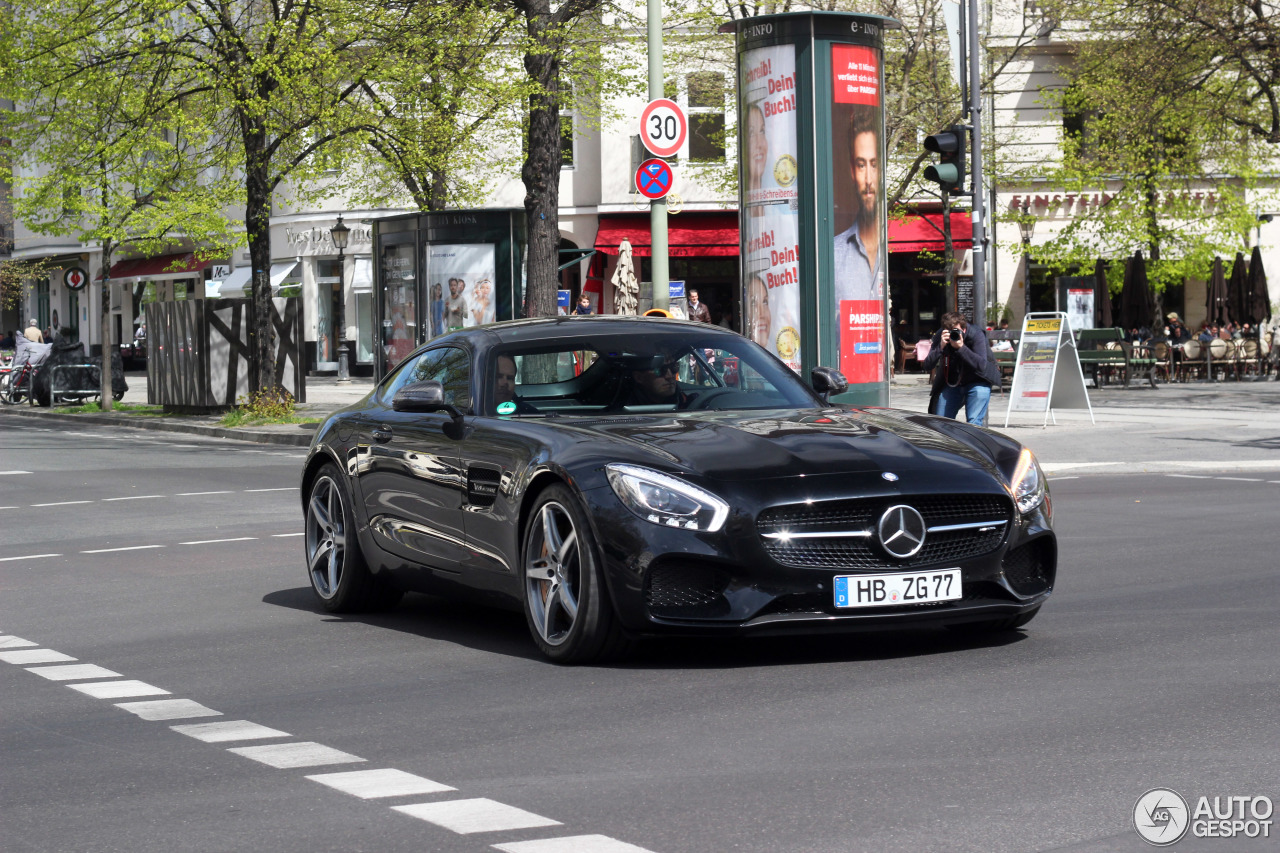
(664, 372)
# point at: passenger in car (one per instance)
(504, 388)
(657, 385)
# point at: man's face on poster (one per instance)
(455, 287)
(865, 163)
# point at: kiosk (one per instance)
(434, 272)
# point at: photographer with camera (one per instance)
(965, 372)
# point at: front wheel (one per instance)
(565, 600)
(339, 575)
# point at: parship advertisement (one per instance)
(860, 250)
(769, 195)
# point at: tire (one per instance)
(565, 600)
(995, 626)
(336, 566)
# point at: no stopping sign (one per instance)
(663, 127)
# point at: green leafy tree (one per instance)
(1142, 129)
(97, 155)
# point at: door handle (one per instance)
(381, 433)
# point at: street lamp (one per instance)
(1027, 225)
(340, 233)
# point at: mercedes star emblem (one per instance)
(902, 531)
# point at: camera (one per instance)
(954, 334)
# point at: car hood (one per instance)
(731, 446)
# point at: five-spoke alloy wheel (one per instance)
(565, 601)
(339, 574)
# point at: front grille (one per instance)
(1028, 567)
(862, 514)
(678, 590)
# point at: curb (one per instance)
(301, 439)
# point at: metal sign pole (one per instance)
(660, 274)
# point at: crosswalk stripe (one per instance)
(284, 756)
(34, 656)
(476, 815)
(118, 689)
(571, 844)
(73, 671)
(228, 730)
(167, 709)
(371, 784)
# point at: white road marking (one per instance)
(478, 815)
(229, 730)
(1241, 479)
(284, 756)
(9, 507)
(571, 844)
(1191, 476)
(63, 503)
(185, 445)
(73, 671)
(192, 494)
(34, 656)
(8, 473)
(370, 784)
(126, 548)
(8, 641)
(1055, 479)
(253, 451)
(118, 689)
(167, 709)
(215, 541)
(28, 556)
(283, 489)
(282, 535)
(132, 498)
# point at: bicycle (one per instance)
(18, 384)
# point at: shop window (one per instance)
(364, 328)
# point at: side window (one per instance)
(450, 366)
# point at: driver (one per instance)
(658, 384)
(504, 387)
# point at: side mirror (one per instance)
(424, 397)
(827, 381)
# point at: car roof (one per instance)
(542, 329)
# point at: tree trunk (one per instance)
(257, 223)
(541, 171)
(104, 384)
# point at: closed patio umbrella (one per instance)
(1237, 298)
(624, 281)
(1215, 301)
(1259, 297)
(1102, 295)
(1137, 304)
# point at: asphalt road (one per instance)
(1154, 665)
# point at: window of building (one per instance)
(706, 116)
(567, 118)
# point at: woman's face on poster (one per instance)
(758, 310)
(757, 146)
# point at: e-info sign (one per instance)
(1047, 372)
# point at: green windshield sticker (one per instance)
(507, 408)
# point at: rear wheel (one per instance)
(336, 566)
(565, 601)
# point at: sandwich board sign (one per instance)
(1046, 372)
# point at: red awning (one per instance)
(689, 235)
(923, 233)
(163, 266)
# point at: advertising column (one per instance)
(811, 193)
(771, 230)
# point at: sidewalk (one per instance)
(1215, 427)
(324, 396)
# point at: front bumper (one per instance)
(666, 581)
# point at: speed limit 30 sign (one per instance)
(663, 127)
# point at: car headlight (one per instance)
(666, 500)
(1029, 489)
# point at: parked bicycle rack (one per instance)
(90, 382)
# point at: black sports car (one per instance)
(618, 477)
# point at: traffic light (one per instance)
(948, 172)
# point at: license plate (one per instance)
(897, 589)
